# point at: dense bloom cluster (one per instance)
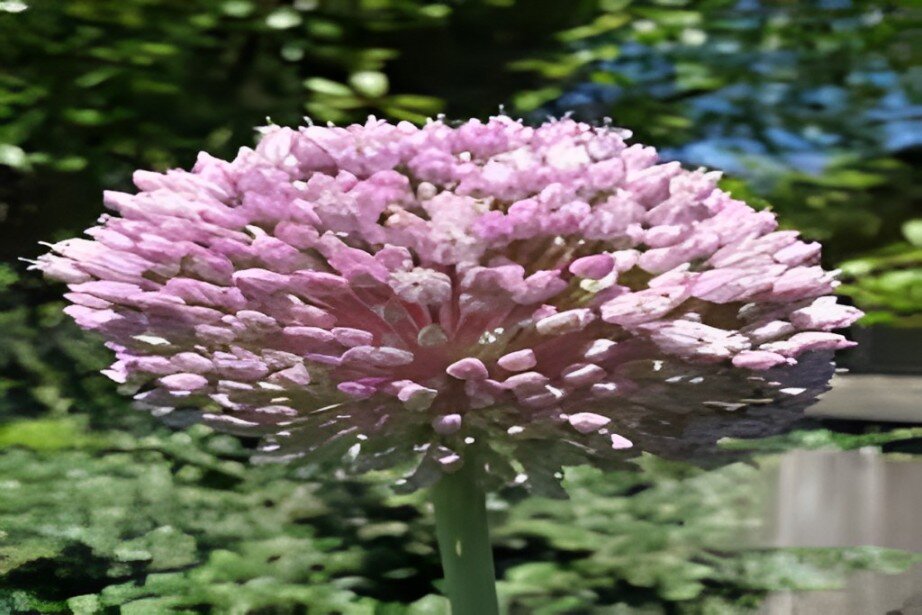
(425, 287)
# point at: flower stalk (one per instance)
(464, 544)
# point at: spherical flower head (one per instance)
(377, 293)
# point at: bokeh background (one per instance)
(812, 108)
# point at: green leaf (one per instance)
(238, 8)
(369, 83)
(528, 101)
(47, 434)
(283, 19)
(164, 548)
(603, 24)
(85, 117)
(848, 178)
(326, 86)
(17, 555)
(14, 156)
(70, 164)
(85, 605)
(422, 104)
(912, 230)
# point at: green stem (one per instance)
(464, 543)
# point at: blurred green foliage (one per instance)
(889, 280)
(47, 365)
(94, 520)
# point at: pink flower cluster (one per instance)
(430, 277)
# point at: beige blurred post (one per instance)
(848, 498)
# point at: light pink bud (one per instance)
(518, 361)
(758, 359)
(594, 267)
(417, 397)
(468, 369)
(525, 382)
(580, 375)
(381, 356)
(587, 422)
(184, 382)
(565, 322)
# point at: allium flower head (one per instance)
(538, 294)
